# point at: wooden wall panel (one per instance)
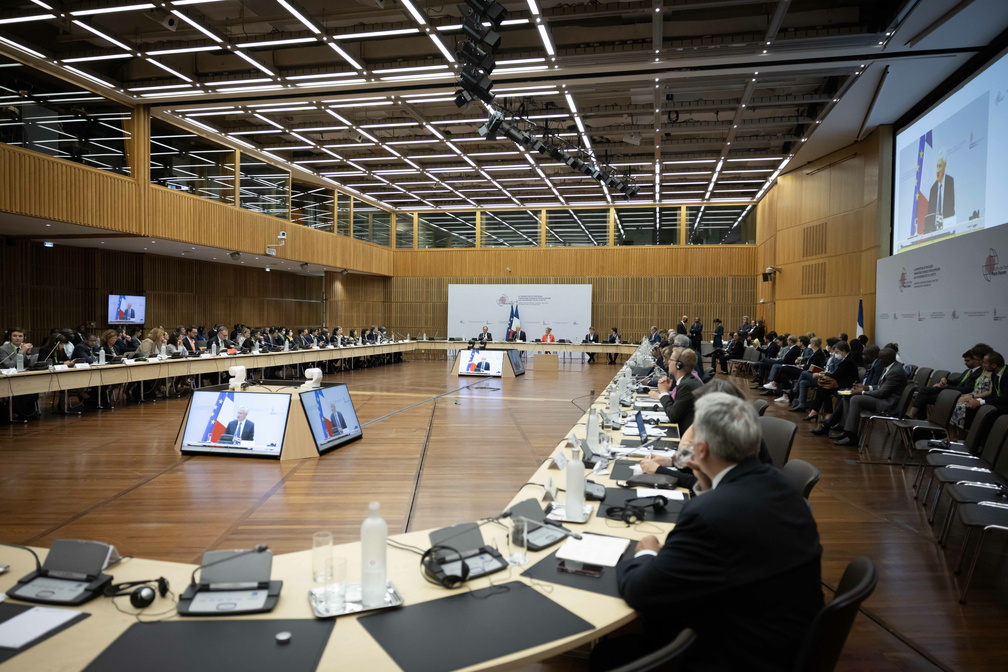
(841, 194)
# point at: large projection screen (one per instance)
(951, 163)
(564, 308)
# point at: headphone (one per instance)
(432, 565)
(632, 513)
(142, 595)
(678, 365)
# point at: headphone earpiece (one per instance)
(678, 365)
(634, 510)
(143, 592)
(432, 565)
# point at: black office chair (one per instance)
(825, 638)
(664, 658)
(803, 476)
(778, 435)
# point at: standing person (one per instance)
(742, 567)
(718, 340)
(696, 334)
(682, 327)
(614, 338)
(744, 329)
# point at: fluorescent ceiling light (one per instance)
(160, 88)
(442, 48)
(347, 57)
(378, 33)
(106, 57)
(545, 39)
(196, 25)
(334, 82)
(407, 78)
(87, 76)
(102, 35)
(297, 14)
(192, 92)
(110, 10)
(322, 75)
(268, 121)
(169, 70)
(415, 12)
(239, 82)
(275, 43)
(254, 62)
(25, 19)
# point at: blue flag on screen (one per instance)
(860, 318)
(327, 427)
(223, 412)
(510, 329)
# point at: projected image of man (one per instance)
(336, 421)
(241, 428)
(941, 200)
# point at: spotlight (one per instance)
(557, 154)
(515, 133)
(463, 98)
(490, 10)
(304, 265)
(477, 83)
(489, 129)
(632, 191)
(235, 256)
(486, 38)
(267, 269)
(539, 146)
(473, 55)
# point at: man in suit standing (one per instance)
(676, 393)
(682, 327)
(881, 398)
(337, 420)
(240, 428)
(591, 337)
(742, 565)
(941, 199)
(696, 334)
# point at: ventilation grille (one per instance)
(813, 279)
(814, 240)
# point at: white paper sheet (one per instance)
(630, 429)
(667, 494)
(32, 624)
(593, 549)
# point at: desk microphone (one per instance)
(52, 351)
(192, 579)
(38, 564)
(556, 524)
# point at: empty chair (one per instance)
(868, 419)
(827, 635)
(664, 658)
(922, 376)
(987, 516)
(803, 475)
(909, 429)
(950, 452)
(744, 365)
(778, 435)
(760, 405)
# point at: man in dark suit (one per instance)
(735, 350)
(787, 357)
(337, 421)
(591, 337)
(189, 339)
(485, 335)
(221, 340)
(87, 351)
(240, 428)
(941, 198)
(741, 567)
(518, 335)
(696, 334)
(682, 327)
(676, 393)
(614, 337)
(483, 365)
(654, 337)
(972, 360)
(881, 398)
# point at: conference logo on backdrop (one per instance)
(903, 281)
(503, 300)
(991, 268)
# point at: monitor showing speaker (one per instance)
(331, 417)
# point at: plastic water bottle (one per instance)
(575, 486)
(101, 357)
(286, 345)
(164, 352)
(213, 348)
(593, 431)
(374, 532)
(19, 362)
(614, 410)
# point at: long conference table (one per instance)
(350, 646)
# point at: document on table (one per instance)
(631, 430)
(32, 624)
(671, 495)
(593, 549)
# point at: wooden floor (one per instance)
(438, 450)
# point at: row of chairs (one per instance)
(971, 474)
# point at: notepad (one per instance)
(593, 549)
(32, 624)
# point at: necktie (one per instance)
(941, 189)
(238, 434)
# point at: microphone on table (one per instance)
(257, 549)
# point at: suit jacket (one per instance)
(967, 385)
(8, 357)
(221, 345)
(735, 350)
(890, 387)
(82, 351)
(790, 355)
(248, 430)
(696, 329)
(189, 343)
(681, 328)
(948, 198)
(758, 332)
(741, 567)
(680, 411)
(482, 366)
(818, 358)
(484, 337)
(845, 373)
(591, 338)
(338, 422)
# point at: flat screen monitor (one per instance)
(481, 363)
(243, 424)
(951, 162)
(125, 309)
(517, 365)
(331, 416)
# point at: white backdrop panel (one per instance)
(939, 300)
(565, 308)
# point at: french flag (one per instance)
(223, 409)
(120, 313)
(327, 427)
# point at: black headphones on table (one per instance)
(635, 509)
(432, 565)
(143, 592)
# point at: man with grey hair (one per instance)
(742, 565)
(941, 199)
(241, 428)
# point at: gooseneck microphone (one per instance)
(261, 548)
(38, 564)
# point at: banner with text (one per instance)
(564, 308)
(939, 300)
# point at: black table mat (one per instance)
(173, 646)
(546, 570)
(619, 497)
(621, 470)
(468, 628)
(8, 611)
